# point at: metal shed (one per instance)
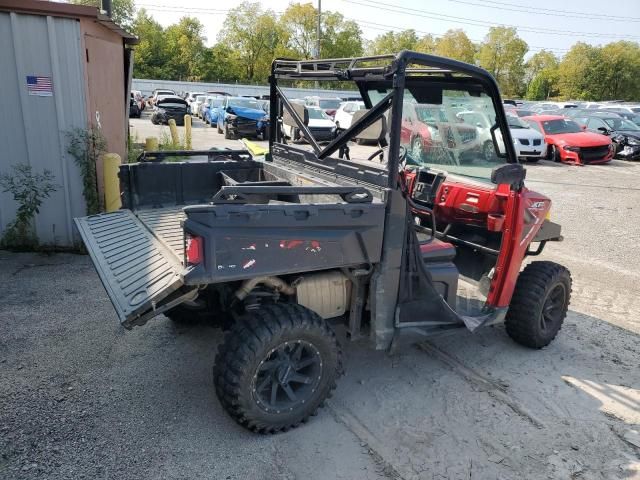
(63, 67)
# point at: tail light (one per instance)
(194, 250)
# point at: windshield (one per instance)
(443, 134)
(329, 104)
(245, 103)
(560, 125)
(200, 98)
(515, 122)
(621, 124)
(635, 109)
(171, 105)
(217, 102)
(317, 114)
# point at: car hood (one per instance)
(580, 139)
(627, 133)
(321, 123)
(250, 113)
(525, 133)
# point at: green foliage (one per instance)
(134, 148)
(502, 54)
(455, 44)
(29, 190)
(121, 10)
(85, 146)
(252, 36)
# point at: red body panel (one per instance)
(580, 139)
(517, 215)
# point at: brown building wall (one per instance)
(104, 80)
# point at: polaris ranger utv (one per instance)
(276, 250)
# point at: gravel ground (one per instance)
(82, 398)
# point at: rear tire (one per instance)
(554, 154)
(276, 367)
(539, 304)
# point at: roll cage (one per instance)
(392, 73)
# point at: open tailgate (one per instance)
(136, 269)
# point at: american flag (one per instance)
(41, 86)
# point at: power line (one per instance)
(478, 23)
(383, 27)
(546, 11)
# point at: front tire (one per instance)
(218, 126)
(276, 367)
(489, 151)
(539, 304)
(227, 133)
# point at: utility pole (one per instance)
(318, 29)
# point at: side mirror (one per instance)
(511, 174)
(603, 130)
(583, 127)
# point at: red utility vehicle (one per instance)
(569, 143)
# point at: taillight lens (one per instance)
(194, 250)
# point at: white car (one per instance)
(191, 97)
(528, 143)
(196, 105)
(344, 114)
(320, 125)
(621, 108)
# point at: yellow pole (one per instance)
(175, 139)
(151, 144)
(111, 166)
(187, 132)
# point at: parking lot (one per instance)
(82, 398)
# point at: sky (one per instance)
(551, 24)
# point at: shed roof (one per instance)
(56, 9)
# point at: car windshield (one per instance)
(217, 102)
(635, 109)
(172, 105)
(524, 113)
(245, 103)
(329, 103)
(560, 125)
(515, 122)
(621, 124)
(317, 114)
(433, 135)
(200, 98)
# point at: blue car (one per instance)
(210, 109)
(243, 116)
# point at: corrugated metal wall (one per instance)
(32, 128)
(148, 86)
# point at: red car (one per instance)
(569, 143)
(427, 127)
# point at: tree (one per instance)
(541, 74)
(299, 21)
(455, 44)
(340, 38)
(502, 54)
(150, 57)
(221, 64)
(573, 72)
(255, 35)
(392, 42)
(426, 44)
(122, 11)
(184, 43)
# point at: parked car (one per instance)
(569, 143)
(529, 143)
(240, 116)
(427, 131)
(160, 93)
(522, 112)
(344, 114)
(196, 105)
(634, 117)
(167, 108)
(329, 105)
(191, 98)
(624, 133)
(320, 125)
(134, 109)
(211, 109)
(139, 98)
(622, 108)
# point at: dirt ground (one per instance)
(82, 398)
